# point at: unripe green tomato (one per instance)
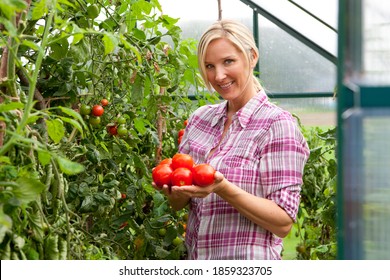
(162, 231)
(85, 109)
(121, 120)
(177, 241)
(94, 121)
(122, 130)
(93, 11)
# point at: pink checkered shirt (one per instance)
(263, 153)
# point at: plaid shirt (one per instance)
(263, 153)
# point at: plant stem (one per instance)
(30, 98)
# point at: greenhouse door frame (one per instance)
(352, 94)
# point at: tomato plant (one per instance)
(63, 171)
(181, 176)
(162, 175)
(203, 174)
(182, 160)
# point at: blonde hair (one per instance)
(238, 34)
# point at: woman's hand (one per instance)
(179, 196)
(196, 191)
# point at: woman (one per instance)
(257, 149)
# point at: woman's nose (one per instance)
(220, 73)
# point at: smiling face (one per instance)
(229, 71)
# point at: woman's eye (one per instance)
(209, 66)
(228, 61)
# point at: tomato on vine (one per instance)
(121, 120)
(122, 130)
(97, 110)
(177, 241)
(104, 102)
(94, 121)
(93, 11)
(85, 110)
(112, 129)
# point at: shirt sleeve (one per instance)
(282, 164)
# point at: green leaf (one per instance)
(44, 157)
(74, 123)
(129, 46)
(78, 34)
(5, 224)
(69, 167)
(39, 10)
(5, 159)
(137, 93)
(27, 189)
(55, 129)
(11, 106)
(110, 42)
(30, 44)
(10, 7)
(139, 125)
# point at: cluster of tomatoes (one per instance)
(95, 113)
(180, 170)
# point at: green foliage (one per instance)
(68, 188)
(316, 226)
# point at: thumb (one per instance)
(218, 177)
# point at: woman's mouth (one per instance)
(225, 86)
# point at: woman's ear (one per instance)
(254, 58)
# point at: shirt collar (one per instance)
(245, 113)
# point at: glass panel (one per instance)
(366, 161)
(310, 111)
(289, 66)
(303, 22)
(326, 10)
(376, 42)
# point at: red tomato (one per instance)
(166, 161)
(161, 175)
(182, 160)
(113, 130)
(179, 139)
(97, 110)
(185, 122)
(181, 177)
(203, 174)
(181, 132)
(104, 102)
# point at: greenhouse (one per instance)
(96, 94)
